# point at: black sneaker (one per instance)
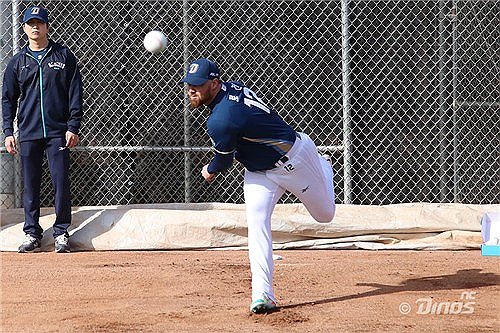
(30, 244)
(61, 244)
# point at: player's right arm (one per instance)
(10, 144)
(10, 96)
(224, 137)
(207, 175)
(220, 162)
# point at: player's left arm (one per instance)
(75, 94)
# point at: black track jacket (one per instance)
(49, 93)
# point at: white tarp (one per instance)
(215, 225)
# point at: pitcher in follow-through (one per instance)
(276, 159)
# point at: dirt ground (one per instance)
(209, 291)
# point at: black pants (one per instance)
(32, 158)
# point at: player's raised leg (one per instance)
(317, 173)
(310, 178)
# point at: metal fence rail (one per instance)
(403, 94)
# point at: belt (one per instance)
(285, 158)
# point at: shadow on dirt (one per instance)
(462, 279)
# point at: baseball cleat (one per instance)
(61, 244)
(263, 305)
(30, 244)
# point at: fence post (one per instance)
(187, 153)
(17, 158)
(346, 102)
(448, 110)
(456, 178)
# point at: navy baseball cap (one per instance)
(200, 71)
(36, 12)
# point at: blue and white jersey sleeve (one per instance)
(224, 135)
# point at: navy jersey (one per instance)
(241, 125)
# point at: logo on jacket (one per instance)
(57, 65)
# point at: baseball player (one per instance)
(276, 159)
(44, 80)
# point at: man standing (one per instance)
(276, 159)
(44, 79)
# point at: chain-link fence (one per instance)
(403, 94)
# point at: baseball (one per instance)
(155, 41)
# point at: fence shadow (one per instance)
(462, 279)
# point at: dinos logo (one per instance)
(56, 65)
(193, 68)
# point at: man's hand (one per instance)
(71, 139)
(208, 176)
(10, 144)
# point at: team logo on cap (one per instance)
(35, 10)
(193, 68)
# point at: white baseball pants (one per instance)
(310, 178)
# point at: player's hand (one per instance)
(71, 139)
(207, 175)
(10, 144)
